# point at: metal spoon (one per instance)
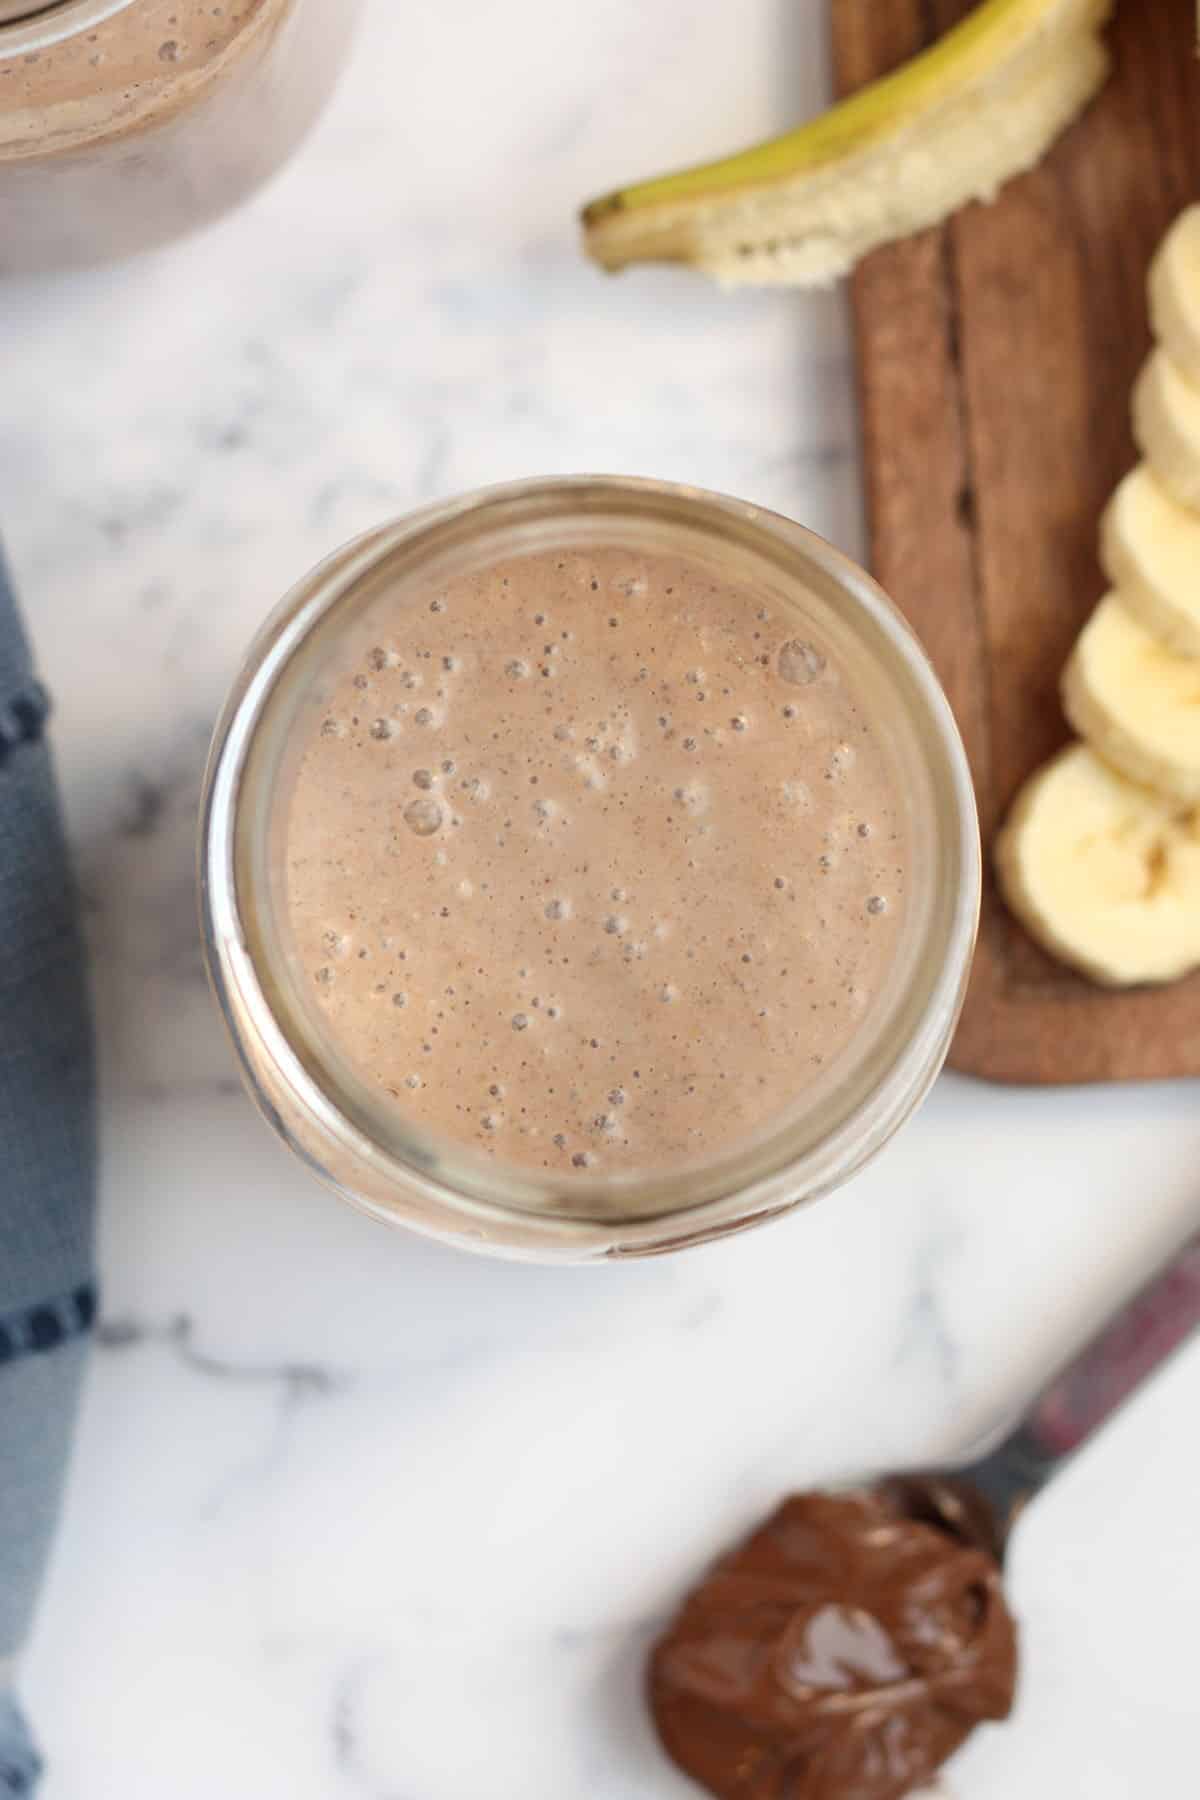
(982, 1500)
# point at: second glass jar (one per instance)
(124, 123)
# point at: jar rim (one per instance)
(27, 25)
(869, 1114)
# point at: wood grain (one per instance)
(996, 358)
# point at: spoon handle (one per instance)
(1088, 1391)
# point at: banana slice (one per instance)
(1175, 293)
(1136, 702)
(981, 105)
(1103, 873)
(1150, 549)
(1166, 424)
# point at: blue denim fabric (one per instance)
(47, 1164)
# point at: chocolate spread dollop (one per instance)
(844, 1651)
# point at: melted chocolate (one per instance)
(844, 1651)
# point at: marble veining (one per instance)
(352, 1516)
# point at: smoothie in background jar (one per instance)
(124, 123)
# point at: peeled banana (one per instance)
(1175, 294)
(1150, 549)
(981, 105)
(1103, 873)
(1100, 857)
(1166, 424)
(1136, 702)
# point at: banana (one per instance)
(1166, 424)
(1103, 873)
(1174, 288)
(981, 105)
(1150, 549)
(1136, 702)
(1100, 855)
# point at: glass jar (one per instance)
(358, 1140)
(124, 123)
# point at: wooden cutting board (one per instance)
(996, 358)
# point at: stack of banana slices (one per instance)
(1100, 858)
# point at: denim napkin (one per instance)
(47, 1167)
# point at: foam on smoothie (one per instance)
(593, 861)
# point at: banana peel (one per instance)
(981, 105)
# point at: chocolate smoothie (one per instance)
(123, 131)
(593, 861)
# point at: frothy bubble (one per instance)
(423, 816)
(797, 794)
(693, 797)
(800, 663)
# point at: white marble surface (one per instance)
(352, 1516)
